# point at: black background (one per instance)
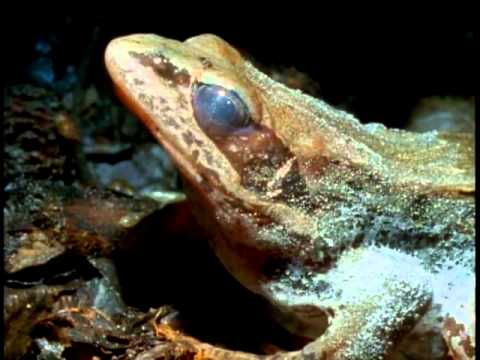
(384, 72)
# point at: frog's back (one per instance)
(433, 161)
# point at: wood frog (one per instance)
(355, 233)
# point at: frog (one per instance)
(355, 233)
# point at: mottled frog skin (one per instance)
(353, 232)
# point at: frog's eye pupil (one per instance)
(219, 109)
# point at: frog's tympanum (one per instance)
(356, 234)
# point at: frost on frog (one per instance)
(366, 289)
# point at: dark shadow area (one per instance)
(162, 265)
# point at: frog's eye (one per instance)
(219, 110)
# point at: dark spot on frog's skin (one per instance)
(138, 82)
(206, 64)
(182, 101)
(170, 121)
(209, 158)
(147, 101)
(321, 286)
(164, 68)
(188, 138)
(195, 154)
(163, 105)
(182, 119)
(165, 108)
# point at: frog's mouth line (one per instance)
(139, 109)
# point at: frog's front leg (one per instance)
(373, 297)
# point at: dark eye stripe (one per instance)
(219, 110)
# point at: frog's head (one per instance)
(196, 100)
